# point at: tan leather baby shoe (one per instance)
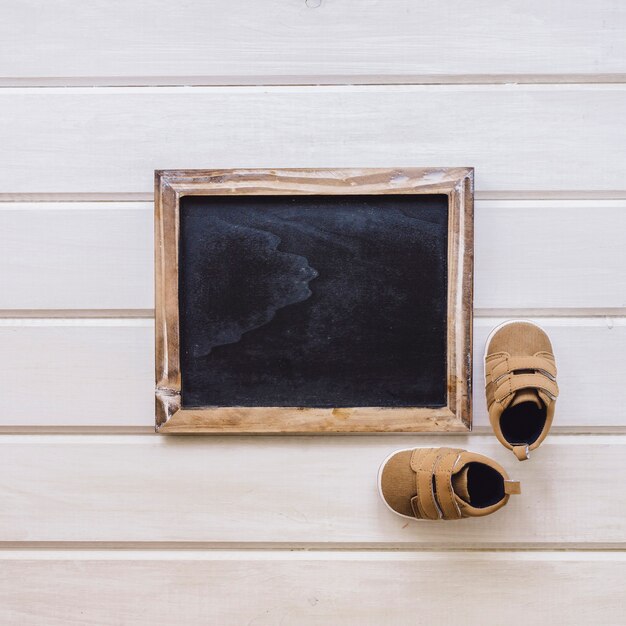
(520, 381)
(443, 484)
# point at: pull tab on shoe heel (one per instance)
(521, 452)
(512, 487)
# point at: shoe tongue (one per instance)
(459, 484)
(526, 395)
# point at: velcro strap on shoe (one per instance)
(443, 482)
(434, 501)
(541, 364)
(511, 383)
(423, 463)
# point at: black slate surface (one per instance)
(313, 301)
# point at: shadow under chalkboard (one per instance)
(313, 301)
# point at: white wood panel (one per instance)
(76, 255)
(305, 41)
(362, 589)
(590, 359)
(530, 254)
(99, 372)
(77, 372)
(550, 254)
(109, 140)
(291, 492)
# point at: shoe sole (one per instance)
(380, 487)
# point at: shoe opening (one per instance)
(485, 485)
(523, 423)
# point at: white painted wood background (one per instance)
(103, 522)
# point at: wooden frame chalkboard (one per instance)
(312, 300)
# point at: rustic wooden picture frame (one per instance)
(171, 185)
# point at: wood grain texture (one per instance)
(303, 492)
(457, 184)
(157, 42)
(302, 588)
(550, 254)
(109, 140)
(76, 255)
(259, 498)
(78, 371)
(529, 254)
(84, 359)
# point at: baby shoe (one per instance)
(443, 484)
(520, 381)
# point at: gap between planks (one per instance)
(575, 431)
(191, 551)
(322, 80)
(321, 88)
(116, 317)
(149, 430)
(511, 195)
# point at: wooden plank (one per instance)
(529, 254)
(550, 254)
(292, 492)
(64, 372)
(76, 255)
(588, 358)
(91, 371)
(109, 140)
(319, 588)
(155, 42)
